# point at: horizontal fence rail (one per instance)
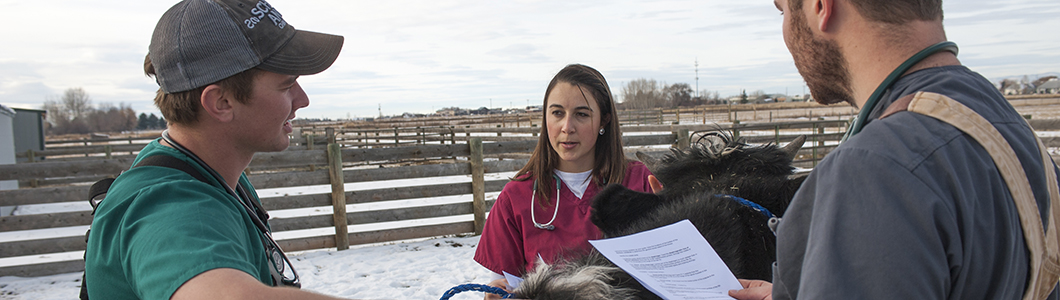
(308, 163)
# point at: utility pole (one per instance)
(697, 77)
(380, 110)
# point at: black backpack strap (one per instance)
(98, 191)
(172, 162)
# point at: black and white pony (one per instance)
(703, 184)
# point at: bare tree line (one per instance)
(647, 93)
(73, 113)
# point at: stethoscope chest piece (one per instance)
(548, 227)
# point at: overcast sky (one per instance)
(421, 56)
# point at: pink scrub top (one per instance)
(511, 243)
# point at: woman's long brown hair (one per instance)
(610, 164)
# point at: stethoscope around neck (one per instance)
(859, 121)
(547, 226)
(257, 214)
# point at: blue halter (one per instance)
(750, 204)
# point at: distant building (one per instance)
(451, 111)
(1049, 87)
(1011, 90)
(480, 111)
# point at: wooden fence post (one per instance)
(338, 196)
(106, 151)
(30, 156)
(776, 133)
(682, 139)
(478, 184)
(735, 132)
(820, 131)
(330, 133)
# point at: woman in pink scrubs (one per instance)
(579, 152)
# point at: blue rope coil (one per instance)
(475, 287)
(750, 204)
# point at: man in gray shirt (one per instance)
(910, 207)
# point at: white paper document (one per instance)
(674, 262)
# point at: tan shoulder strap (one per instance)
(1044, 245)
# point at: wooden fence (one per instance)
(397, 132)
(335, 164)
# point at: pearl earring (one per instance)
(601, 131)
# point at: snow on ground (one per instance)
(421, 269)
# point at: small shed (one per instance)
(29, 131)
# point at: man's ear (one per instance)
(823, 10)
(216, 103)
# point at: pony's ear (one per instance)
(792, 149)
(649, 161)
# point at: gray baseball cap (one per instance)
(200, 42)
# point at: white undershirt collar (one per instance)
(576, 182)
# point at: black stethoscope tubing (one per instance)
(863, 115)
(254, 210)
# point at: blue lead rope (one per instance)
(475, 287)
(750, 204)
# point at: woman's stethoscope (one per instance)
(257, 214)
(859, 121)
(547, 226)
